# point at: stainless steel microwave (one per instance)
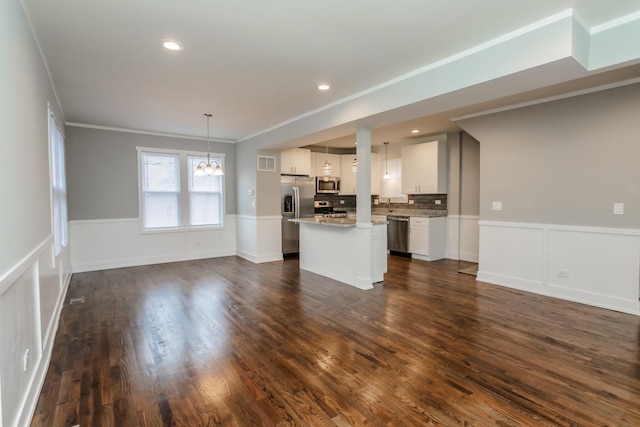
(327, 184)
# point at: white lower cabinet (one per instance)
(427, 237)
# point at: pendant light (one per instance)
(354, 164)
(326, 168)
(208, 168)
(386, 161)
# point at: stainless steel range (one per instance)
(324, 209)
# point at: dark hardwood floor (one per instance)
(227, 342)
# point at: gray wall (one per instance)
(102, 170)
(266, 185)
(454, 162)
(469, 175)
(246, 179)
(563, 162)
(25, 220)
(464, 174)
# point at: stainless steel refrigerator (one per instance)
(296, 202)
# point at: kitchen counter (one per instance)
(344, 250)
(335, 222)
(424, 213)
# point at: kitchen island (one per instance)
(333, 247)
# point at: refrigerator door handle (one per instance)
(296, 202)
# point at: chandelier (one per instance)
(208, 169)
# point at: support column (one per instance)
(363, 207)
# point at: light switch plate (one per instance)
(496, 206)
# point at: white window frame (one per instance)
(184, 197)
(191, 192)
(58, 186)
(175, 194)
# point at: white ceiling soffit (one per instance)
(255, 65)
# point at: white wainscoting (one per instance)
(259, 238)
(31, 298)
(590, 265)
(463, 237)
(116, 243)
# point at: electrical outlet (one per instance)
(342, 202)
(412, 202)
(438, 202)
(563, 273)
(618, 208)
(496, 206)
(376, 201)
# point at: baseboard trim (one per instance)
(134, 262)
(469, 257)
(259, 259)
(554, 291)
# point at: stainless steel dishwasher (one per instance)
(398, 234)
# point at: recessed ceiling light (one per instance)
(172, 45)
(324, 86)
(415, 131)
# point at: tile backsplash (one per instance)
(420, 202)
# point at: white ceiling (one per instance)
(255, 64)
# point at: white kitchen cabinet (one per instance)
(348, 178)
(424, 168)
(334, 159)
(296, 161)
(312, 172)
(375, 174)
(427, 237)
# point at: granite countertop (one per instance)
(425, 213)
(335, 222)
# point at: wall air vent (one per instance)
(266, 163)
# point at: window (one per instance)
(59, 226)
(160, 190)
(205, 195)
(171, 197)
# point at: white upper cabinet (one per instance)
(348, 177)
(296, 161)
(334, 159)
(375, 174)
(312, 172)
(424, 168)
